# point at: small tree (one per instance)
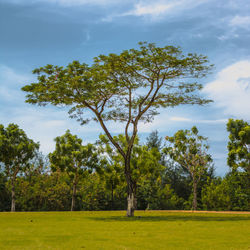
(112, 175)
(154, 141)
(239, 145)
(190, 151)
(145, 163)
(16, 150)
(126, 88)
(74, 158)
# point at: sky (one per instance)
(34, 33)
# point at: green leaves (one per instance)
(239, 144)
(73, 157)
(122, 87)
(189, 150)
(145, 161)
(16, 149)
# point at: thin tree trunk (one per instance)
(194, 195)
(132, 202)
(112, 197)
(73, 197)
(13, 196)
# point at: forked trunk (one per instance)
(194, 195)
(13, 196)
(73, 203)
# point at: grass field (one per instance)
(112, 230)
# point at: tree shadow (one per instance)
(193, 217)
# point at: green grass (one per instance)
(112, 230)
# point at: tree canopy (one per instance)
(73, 158)
(16, 151)
(190, 151)
(239, 145)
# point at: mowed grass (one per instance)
(112, 230)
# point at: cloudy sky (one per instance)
(34, 33)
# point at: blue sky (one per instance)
(34, 33)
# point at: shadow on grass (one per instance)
(172, 218)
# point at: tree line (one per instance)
(174, 173)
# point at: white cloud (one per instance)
(231, 90)
(44, 124)
(155, 10)
(228, 35)
(180, 119)
(158, 8)
(241, 21)
(217, 121)
(160, 122)
(68, 3)
(184, 119)
(234, 24)
(83, 2)
(152, 8)
(11, 82)
(9, 76)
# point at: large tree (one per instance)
(239, 145)
(128, 87)
(16, 151)
(73, 158)
(189, 150)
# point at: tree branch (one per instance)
(129, 118)
(98, 115)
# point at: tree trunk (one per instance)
(132, 202)
(131, 185)
(73, 203)
(194, 195)
(112, 197)
(13, 198)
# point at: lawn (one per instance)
(112, 230)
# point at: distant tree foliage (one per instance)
(189, 150)
(16, 151)
(74, 158)
(239, 145)
(154, 141)
(4, 194)
(162, 182)
(230, 193)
